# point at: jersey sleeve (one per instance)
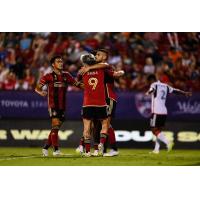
(109, 72)
(44, 80)
(79, 77)
(152, 87)
(71, 80)
(170, 89)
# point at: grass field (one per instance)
(127, 157)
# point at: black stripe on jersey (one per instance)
(56, 98)
(64, 80)
(167, 90)
(105, 86)
(155, 92)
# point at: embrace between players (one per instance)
(96, 78)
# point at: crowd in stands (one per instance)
(174, 57)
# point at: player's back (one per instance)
(159, 97)
(94, 91)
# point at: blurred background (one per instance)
(24, 58)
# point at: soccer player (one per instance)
(159, 93)
(57, 82)
(94, 105)
(101, 55)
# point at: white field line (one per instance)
(27, 157)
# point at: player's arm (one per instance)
(75, 82)
(114, 74)
(39, 90)
(118, 74)
(150, 91)
(178, 91)
(43, 81)
(86, 69)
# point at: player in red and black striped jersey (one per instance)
(94, 104)
(110, 97)
(57, 82)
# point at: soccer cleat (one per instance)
(111, 153)
(170, 146)
(101, 148)
(57, 153)
(154, 152)
(45, 152)
(80, 149)
(88, 154)
(96, 153)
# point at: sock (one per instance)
(95, 146)
(54, 139)
(87, 145)
(162, 138)
(157, 145)
(105, 145)
(103, 138)
(112, 139)
(48, 142)
(81, 141)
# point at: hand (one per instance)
(188, 94)
(147, 93)
(82, 86)
(83, 70)
(119, 73)
(43, 93)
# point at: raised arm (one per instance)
(178, 91)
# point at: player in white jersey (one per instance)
(159, 93)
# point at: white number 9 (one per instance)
(93, 82)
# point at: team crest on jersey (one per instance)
(143, 105)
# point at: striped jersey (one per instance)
(57, 87)
(159, 97)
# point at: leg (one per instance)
(53, 137)
(103, 135)
(55, 126)
(111, 136)
(157, 131)
(96, 133)
(86, 133)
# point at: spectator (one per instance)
(10, 81)
(149, 67)
(175, 57)
(25, 42)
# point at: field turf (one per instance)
(127, 157)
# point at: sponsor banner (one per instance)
(136, 106)
(129, 134)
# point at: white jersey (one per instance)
(159, 96)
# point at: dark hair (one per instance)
(94, 52)
(54, 58)
(151, 77)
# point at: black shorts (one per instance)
(157, 120)
(57, 113)
(92, 112)
(111, 107)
